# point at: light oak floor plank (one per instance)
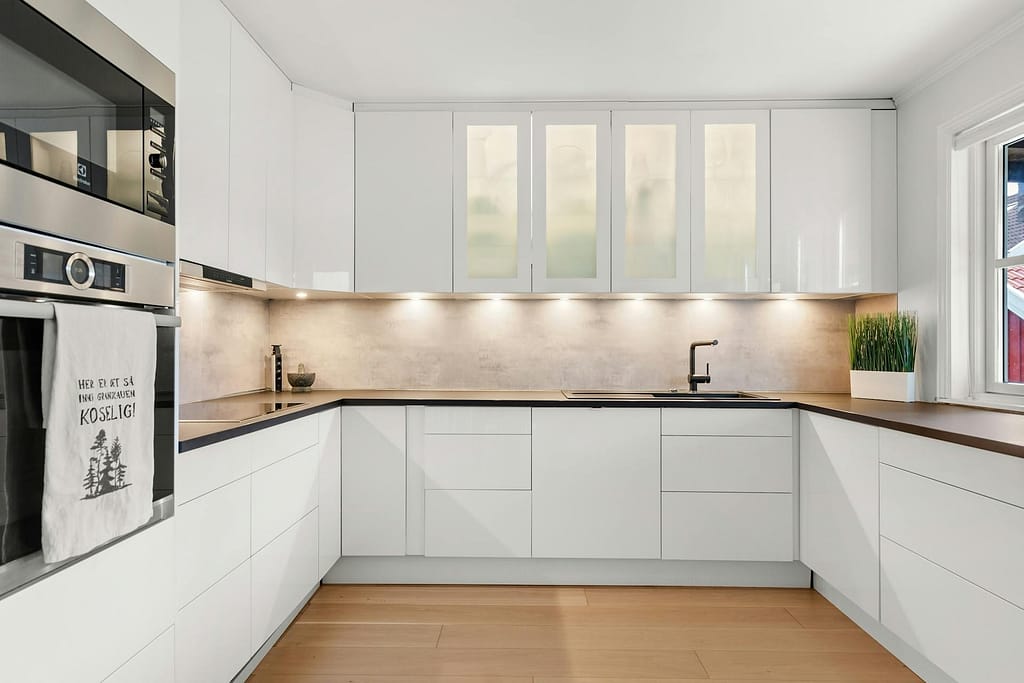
(552, 596)
(260, 677)
(737, 617)
(656, 638)
(636, 596)
(482, 662)
(302, 634)
(823, 666)
(825, 616)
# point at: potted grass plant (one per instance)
(883, 352)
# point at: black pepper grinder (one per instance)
(276, 352)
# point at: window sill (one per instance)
(1013, 404)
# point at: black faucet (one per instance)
(692, 378)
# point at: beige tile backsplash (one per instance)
(534, 344)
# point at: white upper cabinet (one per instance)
(491, 211)
(829, 223)
(650, 201)
(279, 179)
(571, 201)
(324, 147)
(730, 200)
(404, 201)
(203, 121)
(249, 145)
(153, 24)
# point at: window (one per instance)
(1004, 267)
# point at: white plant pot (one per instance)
(887, 386)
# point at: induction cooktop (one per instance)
(230, 412)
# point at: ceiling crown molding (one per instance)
(986, 41)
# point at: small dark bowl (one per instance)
(301, 381)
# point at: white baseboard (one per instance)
(890, 641)
(534, 571)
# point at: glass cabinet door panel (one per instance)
(650, 201)
(571, 201)
(731, 202)
(492, 202)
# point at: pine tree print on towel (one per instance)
(106, 472)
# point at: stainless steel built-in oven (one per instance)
(35, 271)
(86, 129)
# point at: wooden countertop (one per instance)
(998, 431)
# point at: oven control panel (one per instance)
(75, 269)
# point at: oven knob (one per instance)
(80, 271)
(158, 160)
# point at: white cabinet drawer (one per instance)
(282, 494)
(477, 420)
(726, 422)
(975, 537)
(476, 461)
(477, 524)
(213, 538)
(727, 463)
(155, 664)
(213, 633)
(282, 574)
(278, 442)
(727, 526)
(966, 631)
(991, 474)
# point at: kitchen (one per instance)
(495, 342)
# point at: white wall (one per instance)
(985, 76)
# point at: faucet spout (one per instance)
(694, 379)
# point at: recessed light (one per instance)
(497, 297)
(790, 298)
(639, 297)
(415, 297)
(301, 295)
(563, 297)
(708, 298)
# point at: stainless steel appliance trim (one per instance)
(25, 571)
(194, 274)
(79, 256)
(89, 25)
(36, 203)
(12, 308)
(147, 282)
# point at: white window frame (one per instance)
(994, 263)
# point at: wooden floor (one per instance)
(500, 634)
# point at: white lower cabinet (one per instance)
(213, 633)
(727, 463)
(87, 620)
(155, 664)
(727, 526)
(476, 461)
(282, 493)
(477, 524)
(839, 505)
(329, 494)
(597, 482)
(971, 634)
(373, 453)
(283, 573)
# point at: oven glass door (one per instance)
(70, 116)
(22, 438)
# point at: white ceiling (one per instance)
(379, 50)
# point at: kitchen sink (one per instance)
(670, 395)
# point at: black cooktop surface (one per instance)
(230, 412)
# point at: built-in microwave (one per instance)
(86, 129)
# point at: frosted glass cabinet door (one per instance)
(731, 200)
(650, 201)
(491, 211)
(571, 212)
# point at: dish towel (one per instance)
(98, 370)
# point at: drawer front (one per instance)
(975, 537)
(727, 526)
(213, 633)
(477, 524)
(278, 442)
(213, 538)
(282, 494)
(966, 631)
(476, 461)
(727, 463)
(726, 422)
(995, 475)
(476, 420)
(155, 664)
(199, 471)
(282, 574)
